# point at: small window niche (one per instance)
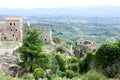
(14, 24)
(4, 37)
(10, 24)
(13, 35)
(11, 29)
(15, 29)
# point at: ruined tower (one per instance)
(12, 29)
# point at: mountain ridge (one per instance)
(100, 11)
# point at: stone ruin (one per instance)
(69, 50)
(82, 47)
(8, 63)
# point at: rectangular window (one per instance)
(4, 37)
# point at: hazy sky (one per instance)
(55, 3)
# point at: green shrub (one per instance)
(61, 49)
(83, 66)
(73, 60)
(85, 61)
(73, 67)
(61, 62)
(39, 73)
(112, 74)
(107, 55)
(56, 39)
(71, 74)
(61, 74)
(27, 76)
(90, 56)
(93, 75)
(44, 61)
(69, 42)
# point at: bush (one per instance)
(61, 49)
(84, 62)
(68, 42)
(112, 74)
(73, 67)
(71, 74)
(90, 56)
(61, 62)
(56, 39)
(27, 76)
(73, 60)
(61, 74)
(93, 75)
(44, 61)
(83, 66)
(106, 55)
(39, 73)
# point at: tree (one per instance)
(30, 50)
(107, 55)
(56, 39)
(44, 61)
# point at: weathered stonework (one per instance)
(12, 29)
(46, 34)
(82, 47)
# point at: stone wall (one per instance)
(46, 34)
(82, 47)
(12, 29)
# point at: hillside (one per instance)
(96, 29)
(92, 28)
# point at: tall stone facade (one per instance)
(12, 29)
(46, 34)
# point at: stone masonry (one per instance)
(12, 29)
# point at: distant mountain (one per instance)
(101, 11)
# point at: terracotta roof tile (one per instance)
(13, 18)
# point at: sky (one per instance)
(29, 4)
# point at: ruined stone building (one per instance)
(46, 34)
(82, 47)
(12, 29)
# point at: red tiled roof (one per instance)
(13, 18)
